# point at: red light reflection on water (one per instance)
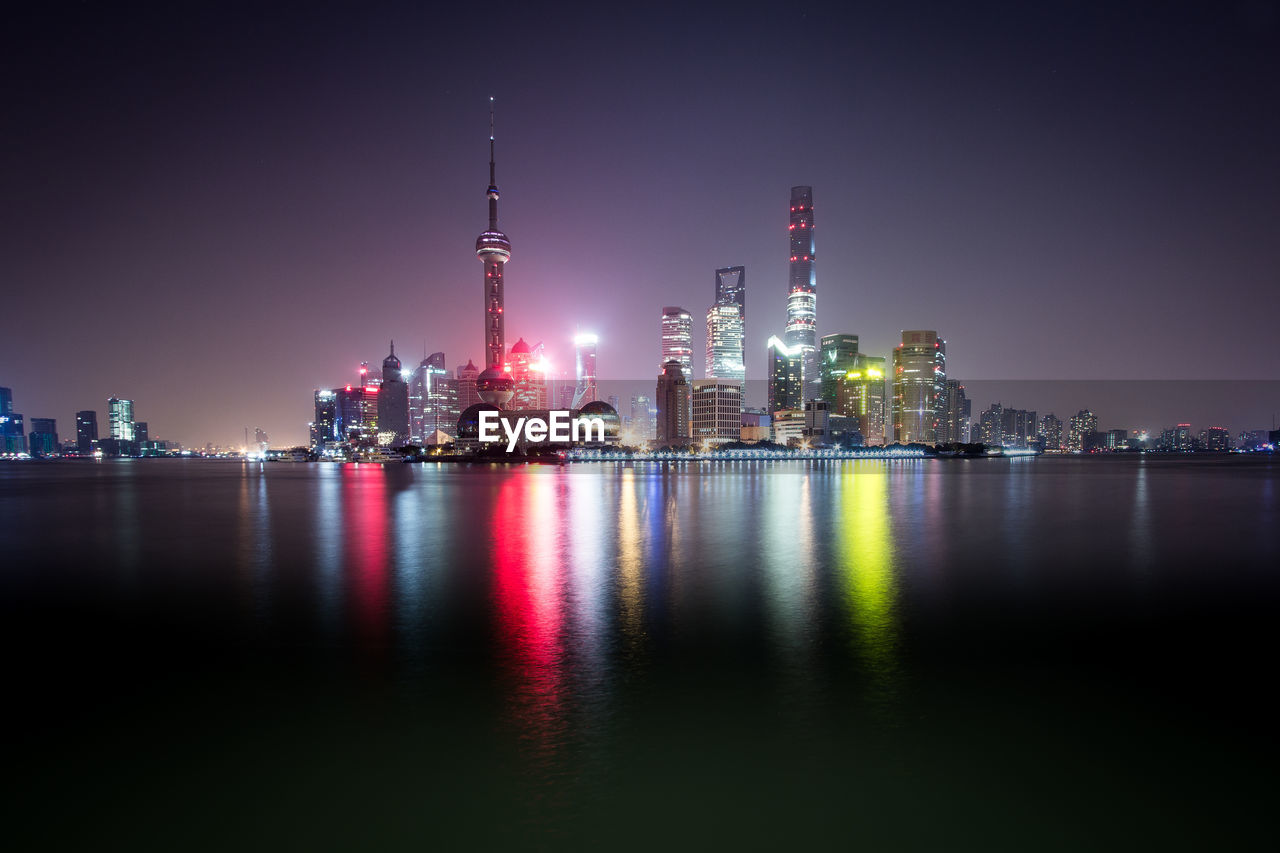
(367, 515)
(527, 532)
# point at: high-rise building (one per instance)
(837, 355)
(725, 334)
(43, 440)
(677, 339)
(731, 287)
(717, 411)
(1049, 430)
(528, 370)
(324, 427)
(393, 403)
(956, 410)
(13, 437)
(141, 431)
(860, 395)
(86, 431)
(357, 414)
(494, 250)
(919, 380)
(1213, 438)
(1082, 424)
(643, 424)
(786, 364)
(1018, 428)
(584, 347)
(433, 400)
(726, 326)
(120, 418)
(802, 298)
(468, 396)
(672, 397)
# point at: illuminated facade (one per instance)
(919, 383)
(717, 411)
(802, 292)
(726, 326)
(677, 339)
(393, 401)
(584, 347)
(86, 431)
(467, 394)
(43, 439)
(725, 336)
(357, 414)
(494, 250)
(120, 418)
(643, 425)
(860, 395)
(837, 355)
(324, 429)
(784, 370)
(1049, 431)
(433, 400)
(672, 397)
(956, 412)
(528, 368)
(1082, 425)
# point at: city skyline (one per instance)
(1065, 261)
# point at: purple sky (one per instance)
(215, 213)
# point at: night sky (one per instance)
(215, 212)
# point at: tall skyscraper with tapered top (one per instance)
(494, 250)
(802, 300)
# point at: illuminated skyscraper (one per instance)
(584, 347)
(643, 423)
(1050, 432)
(860, 395)
(393, 402)
(677, 339)
(731, 287)
(1085, 422)
(956, 411)
(433, 400)
(86, 431)
(785, 367)
(837, 355)
(120, 418)
(324, 429)
(357, 414)
(673, 406)
(527, 367)
(494, 250)
(725, 336)
(467, 394)
(919, 382)
(43, 438)
(717, 411)
(802, 299)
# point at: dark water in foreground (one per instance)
(991, 654)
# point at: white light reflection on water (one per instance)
(254, 551)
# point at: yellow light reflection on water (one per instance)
(630, 559)
(865, 561)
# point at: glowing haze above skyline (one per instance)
(214, 212)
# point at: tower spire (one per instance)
(494, 250)
(493, 180)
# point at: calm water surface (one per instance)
(997, 654)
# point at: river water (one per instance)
(1061, 653)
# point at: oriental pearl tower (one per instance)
(494, 384)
